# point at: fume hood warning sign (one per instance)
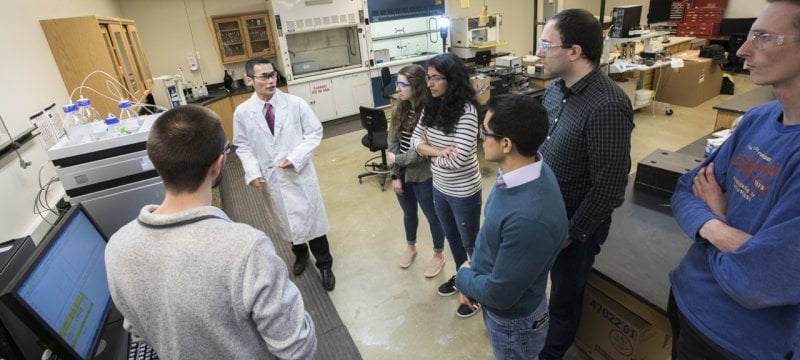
(320, 88)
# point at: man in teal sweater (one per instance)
(524, 228)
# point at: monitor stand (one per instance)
(114, 339)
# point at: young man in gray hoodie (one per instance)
(191, 282)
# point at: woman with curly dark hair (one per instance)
(411, 172)
(447, 133)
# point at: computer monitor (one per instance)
(62, 293)
(623, 19)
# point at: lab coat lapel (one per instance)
(279, 107)
(257, 114)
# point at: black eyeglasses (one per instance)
(485, 133)
(434, 78)
(266, 76)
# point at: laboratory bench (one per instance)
(540, 80)
(729, 110)
(644, 244)
(218, 94)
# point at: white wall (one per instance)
(171, 30)
(518, 15)
(744, 8)
(517, 21)
(594, 6)
(31, 81)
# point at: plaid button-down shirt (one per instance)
(589, 147)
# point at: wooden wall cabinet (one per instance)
(243, 36)
(82, 45)
(224, 109)
(239, 99)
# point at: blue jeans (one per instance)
(521, 338)
(568, 279)
(420, 193)
(460, 218)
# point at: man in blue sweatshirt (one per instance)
(736, 293)
(524, 228)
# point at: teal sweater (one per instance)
(524, 229)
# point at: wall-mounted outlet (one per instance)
(193, 64)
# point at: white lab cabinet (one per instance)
(335, 97)
(319, 95)
(350, 92)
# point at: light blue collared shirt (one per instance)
(520, 176)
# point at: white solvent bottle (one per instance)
(113, 127)
(128, 119)
(77, 130)
(93, 118)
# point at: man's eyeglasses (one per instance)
(434, 78)
(545, 45)
(402, 84)
(762, 40)
(266, 76)
(485, 133)
(225, 151)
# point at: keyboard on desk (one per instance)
(141, 351)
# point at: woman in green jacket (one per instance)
(411, 173)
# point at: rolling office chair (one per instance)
(387, 85)
(376, 139)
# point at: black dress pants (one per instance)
(321, 250)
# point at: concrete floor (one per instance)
(395, 313)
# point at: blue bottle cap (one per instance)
(124, 104)
(70, 107)
(112, 120)
(84, 102)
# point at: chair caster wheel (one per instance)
(669, 112)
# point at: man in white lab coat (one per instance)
(275, 135)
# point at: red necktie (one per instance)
(270, 116)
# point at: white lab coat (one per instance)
(293, 200)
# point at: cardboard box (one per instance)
(508, 61)
(697, 81)
(530, 61)
(629, 87)
(482, 85)
(609, 330)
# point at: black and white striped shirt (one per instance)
(405, 141)
(461, 177)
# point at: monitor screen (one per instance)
(403, 9)
(63, 293)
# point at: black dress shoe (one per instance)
(328, 280)
(300, 263)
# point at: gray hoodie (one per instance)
(196, 285)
